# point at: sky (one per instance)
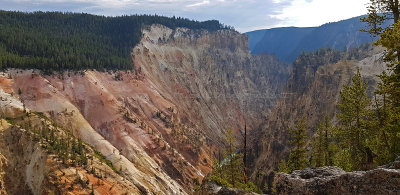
(244, 15)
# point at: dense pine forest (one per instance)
(54, 41)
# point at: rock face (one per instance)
(312, 91)
(160, 124)
(211, 76)
(22, 162)
(333, 180)
(28, 167)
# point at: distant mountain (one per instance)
(287, 43)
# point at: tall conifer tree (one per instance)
(352, 132)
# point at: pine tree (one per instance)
(298, 153)
(230, 170)
(245, 154)
(390, 39)
(386, 120)
(380, 11)
(323, 145)
(283, 167)
(388, 10)
(234, 162)
(353, 130)
(318, 156)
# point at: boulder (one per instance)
(333, 180)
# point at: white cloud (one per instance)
(305, 13)
(206, 2)
(244, 15)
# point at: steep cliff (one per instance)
(312, 91)
(160, 124)
(211, 76)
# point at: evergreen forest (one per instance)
(55, 41)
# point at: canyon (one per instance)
(156, 129)
(159, 125)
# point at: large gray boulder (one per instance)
(333, 180)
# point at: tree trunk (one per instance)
(245, 154)
(231, 163)
(395, 10)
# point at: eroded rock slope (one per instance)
(160, 124)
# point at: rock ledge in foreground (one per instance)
(333, 180)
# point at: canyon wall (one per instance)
(312, 92)
(161, 123)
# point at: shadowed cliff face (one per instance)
(211, 76)
(211, 79)
(160, 124)
(312, 92)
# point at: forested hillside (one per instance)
(54, 41)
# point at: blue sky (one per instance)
(244, 15)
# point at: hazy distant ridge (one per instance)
(287, 43)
